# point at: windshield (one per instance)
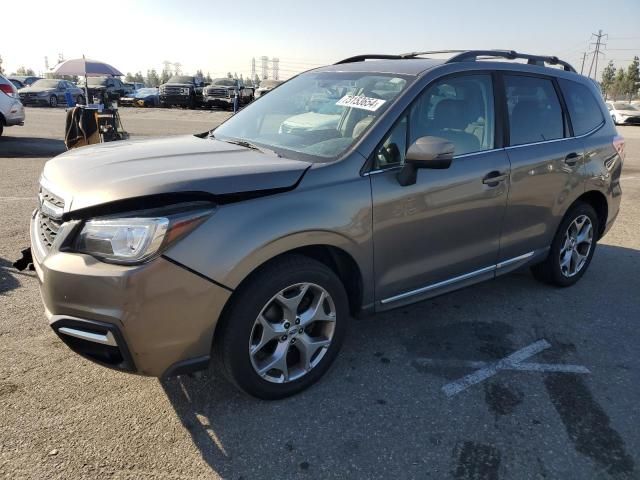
(623, 106)
(225, 82)
(269, 83)
(146, 91)
(315, 114)
(181, 79)
(96, 81)
(46, 84)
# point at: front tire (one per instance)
(53, 101)
(80, 100)
(283, 328)
(572, 249)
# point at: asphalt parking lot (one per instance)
(393, 405)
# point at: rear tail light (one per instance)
(618, 144)
(8, 89)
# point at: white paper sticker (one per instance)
(363, 103)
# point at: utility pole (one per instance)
(253, 68)
(265, 67)
(584, 56)
(598, 45)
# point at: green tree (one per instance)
(256, 80)
(165, 76)
(619, 84)
(608, 79)
(633, 78)
(128, 77)
(208, 78)
(26, 72)
(229, 75)
(138, 77)
(153, 79)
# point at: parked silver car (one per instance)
(257, 243)
(50, 92)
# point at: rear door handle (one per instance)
(572, 159)
(494, 178)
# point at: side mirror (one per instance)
(425, 152)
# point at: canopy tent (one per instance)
(87, 68)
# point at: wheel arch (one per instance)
(342, 263)
(599, 203)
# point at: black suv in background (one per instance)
(223, 91)
(104, 89)
(181, 90)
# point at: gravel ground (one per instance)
(379, 413)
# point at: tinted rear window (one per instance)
(583, 108)
(535, 114)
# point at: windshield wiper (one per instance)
(246, 144)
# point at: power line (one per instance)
(596, 53)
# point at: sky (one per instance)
(218, 37)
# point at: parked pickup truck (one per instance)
(222, 93)
(181, 90)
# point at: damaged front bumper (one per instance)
(154, 319)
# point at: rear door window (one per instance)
(535, 114)
(584, 109)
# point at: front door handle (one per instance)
(493, 178)
(572, 159)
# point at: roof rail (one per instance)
(362, 58)
(467, 56)
(472, 56)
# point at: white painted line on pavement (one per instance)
(521, 367)
(18, 198)
(478, 376)
(511, 362)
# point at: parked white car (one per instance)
(624, 113)
(11, 109)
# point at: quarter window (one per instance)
(583, 108)
(535, 114)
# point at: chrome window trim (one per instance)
(457, 279)
(464, 155)
(590, 132)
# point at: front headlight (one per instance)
(132, 240)
(185, 91)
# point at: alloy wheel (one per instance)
(292, 333)
(576, 247)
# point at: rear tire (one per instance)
(258, 327)
(53, 101)
(572, 248)
(1, 127)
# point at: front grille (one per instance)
(172, 91)
(47, 196)
(217, 92)
(48, 224)
(47, 230)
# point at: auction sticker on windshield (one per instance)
(363, 103)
